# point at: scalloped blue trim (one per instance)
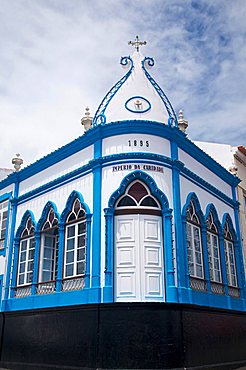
(193, 197)
(23, 223)
(148, 180)
(111, 93)
(171, 112)
(211, 208)
(44, 214)
(138, 111)
(75, 194)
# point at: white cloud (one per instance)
(57, 57)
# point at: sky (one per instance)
(59, 56)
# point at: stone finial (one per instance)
(17, 162)
(182, 123)
(233, 170)
(86, 121)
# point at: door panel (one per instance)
(125, 257)
(139, 274)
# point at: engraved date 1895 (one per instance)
(144, 143)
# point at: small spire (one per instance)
(182, 123)
(137, 43)
(86, 121)
(17, 162)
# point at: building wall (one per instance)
(113, 158)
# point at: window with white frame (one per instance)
(26, 254)
(3, 222)
(49, 248)
(213, 250)
(194, 243)
(75, 242)
(230, 257)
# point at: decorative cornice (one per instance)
(191, 175)
(118, 128)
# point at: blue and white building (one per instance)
(130, 212)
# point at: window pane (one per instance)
(46, 276)
(21, 279)
(72, 217)
(149, 202)
(29, 277)
(81, 228)
(198, 258)
(30, 266)
(191, 269)
(70, 231)
(22, 267)
(22, 256)
(126, 202)
(48, 252)
(137, 191)
(32, 243)
(81, 254)
(23, 245)
(199, 271)
(80, 268)
(47, 264)
(81, 241)
(48, 241)
(70, 244)
(188, 230)
(31, 254)
(69, 270)
(69, 257)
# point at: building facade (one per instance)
(131, 212)
(234, 160)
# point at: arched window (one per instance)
(213, 250)
(194, 243)
(26, 254)
(137, 196)
(48, 266)
(75, 247)
(230, 256)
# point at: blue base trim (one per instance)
(54, 300)
(108, 295)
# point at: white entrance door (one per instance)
(138, 258)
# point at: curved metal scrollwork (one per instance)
(172, 120)
(100, 117)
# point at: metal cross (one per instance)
(137, 43)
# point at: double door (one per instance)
(139, 267)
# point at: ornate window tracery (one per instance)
(75, 248)
(138, 196)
